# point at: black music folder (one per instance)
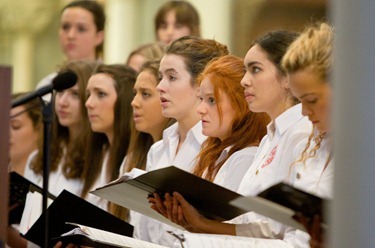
(208, 198)
(279, 202)
(68, 207)
(18, 189)
(282, 201)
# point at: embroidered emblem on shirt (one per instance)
(270, 158)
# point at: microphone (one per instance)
(62, 81)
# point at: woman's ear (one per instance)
(285, 82)
(99, 38)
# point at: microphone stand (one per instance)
(47, 112)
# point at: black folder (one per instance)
(209, 199)
(299, 201)
(282, 202)
(279, 202)
(68, 207)
(19, 187)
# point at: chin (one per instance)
(167, 114)
(322, 129)
(96, 129)
(140, 128)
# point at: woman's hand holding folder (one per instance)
(181, 212)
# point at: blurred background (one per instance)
(29, 29)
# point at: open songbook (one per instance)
(193, 240)
(280, 202)
(93, 237)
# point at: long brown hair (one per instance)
(247, 128)
(140, 143)
(74, 161)
(124, 78)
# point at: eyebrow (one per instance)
(170, 70)
(307, 94)
(252, 63)
(209, 94)
(95, 88)
(142, 88)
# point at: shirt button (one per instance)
(298, 176)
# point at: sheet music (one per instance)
(116, 239)
(135, 172)
(193, 240)
(32, 211)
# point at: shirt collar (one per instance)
(195, 132)
(284, 121)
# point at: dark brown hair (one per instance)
(275, 45)
(33, 109)
(196, 52)
(124, 78)
(98, 14)
(140, 143)
(74, 161)
(186, 14)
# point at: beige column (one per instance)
(215, 16)
(121, 28)
(22, 57)
(23, 19)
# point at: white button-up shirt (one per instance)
(229, 176)
(276, 152)
(315, 176)
(271, 165)
(232, 171)
(163, 154)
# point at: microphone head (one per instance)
(64, 80)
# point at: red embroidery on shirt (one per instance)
(270, 158)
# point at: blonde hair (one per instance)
(317, 137)
(151, 51)
(312, 49)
